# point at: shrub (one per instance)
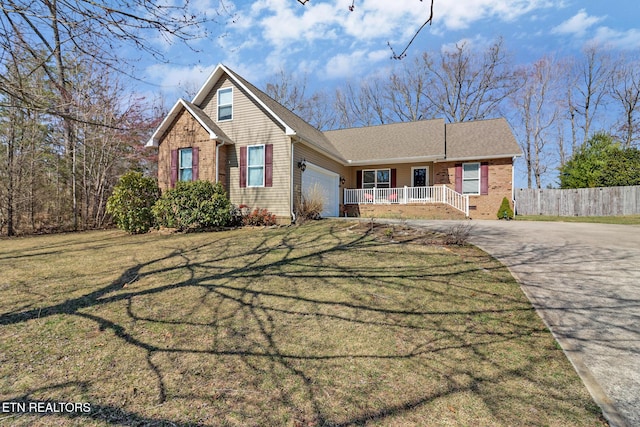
(193, 205)
(131, 202)
(259, 217)
(457, 235)
(505, 211)
(311, 204)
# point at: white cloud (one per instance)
(344, 65)
(627, 40)
(577, 24)
(456, 15)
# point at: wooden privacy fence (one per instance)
(607, 201)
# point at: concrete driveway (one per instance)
(584, 281)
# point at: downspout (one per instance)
(513, 182)
(217, 161)
(291, 187)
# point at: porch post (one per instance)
(404, 198)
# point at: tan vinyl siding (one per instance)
(251, 125)
(186, 132)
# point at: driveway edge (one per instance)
(609, 411)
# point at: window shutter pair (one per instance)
(268, 166)
(195, 168)
(484, 178)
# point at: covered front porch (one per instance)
(436, 194)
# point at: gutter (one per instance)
(438, 157)
(476, 158)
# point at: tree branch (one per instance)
(403, 54)
(395, 55)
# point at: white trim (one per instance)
(291, 172)
(230, 88)
(213, 79)
(479, 178)
(375, 171)
(173, 113)
(180, 168)
(476, 158)
(397, 160)
(264, 165)
(413, 168)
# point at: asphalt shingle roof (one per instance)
(481, 139)
(423, 140)
(393, 142)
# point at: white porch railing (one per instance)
(406, 195)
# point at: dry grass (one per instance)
(311, 204)
(322, 324)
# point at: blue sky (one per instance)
(331, 44)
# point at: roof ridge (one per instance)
(385, 124)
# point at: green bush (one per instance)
(131, 203)
(505, 211)
(193, 205)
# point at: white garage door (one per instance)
(328, 183)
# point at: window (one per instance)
(185, 172)
(471, 178)
(225, 104)
(255, 166)
(376, 178)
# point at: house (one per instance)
(266, 156)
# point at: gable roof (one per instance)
(215, 133)
(293, 125)
(422, 140)
(484, 139)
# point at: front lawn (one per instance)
(328, 323)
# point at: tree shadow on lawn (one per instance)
(309, 329)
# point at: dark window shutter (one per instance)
(393, 178)
(459, 177)
(195, 158)
(268, 165)
(359, 179)
(484, 178)
(243, 167)
(174, 167)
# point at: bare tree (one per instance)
(290, 91)
(537, 105)
(406, 92)
(363, 105)
(56, 34)
(592, 77)
(466, 85)
(625, 91)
